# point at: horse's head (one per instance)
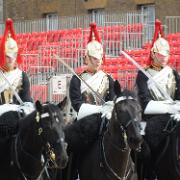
(50, 122)
(126, 116)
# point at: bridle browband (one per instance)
(49, 150)
(103, 158)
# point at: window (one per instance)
(51, 21)
(97, 15)
(148, 12)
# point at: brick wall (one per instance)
(32, 9)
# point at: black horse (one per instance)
(104, 152)
(38, 144)
(163, 149)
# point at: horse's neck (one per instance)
(117, 157)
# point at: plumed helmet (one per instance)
(159, 43)
(8, 46)
(11, 48)
(94, 47)
(161, 46)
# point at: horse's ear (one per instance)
(38, 106)
(117, 88)
(62, 104)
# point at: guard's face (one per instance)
(10, 62)
(94, 64)
(161, 59)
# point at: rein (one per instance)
(106, 164)
(103, 159)
(43, 163)
(169, 132)
(44, 166)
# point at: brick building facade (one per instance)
(35, 9)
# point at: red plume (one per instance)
(93, 29)
(158, 31)
(9, 29)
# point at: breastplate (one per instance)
(89, 96)
(6, 96)
(166, 82)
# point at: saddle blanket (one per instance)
(8, 107)
(26, 108)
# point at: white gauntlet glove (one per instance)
(27, 107)
(107, 109)
(176, 116)
(88, 109)
(161, 107)
(177, 102)
(176, 107)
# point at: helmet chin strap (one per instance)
(156, 62)
(9, 67)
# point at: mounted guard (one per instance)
(159, 92)
(93, 87)
(14, 83)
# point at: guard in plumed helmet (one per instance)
(11, 77)
(84, 100)
(160, 96)
(81, 96)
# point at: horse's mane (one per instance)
(127, 93)
(25, 121)
(9, 123)
(82, 134)
(156, 125)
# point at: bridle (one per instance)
(123, 128)
(48, 159)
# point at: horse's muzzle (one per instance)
(135, 143)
